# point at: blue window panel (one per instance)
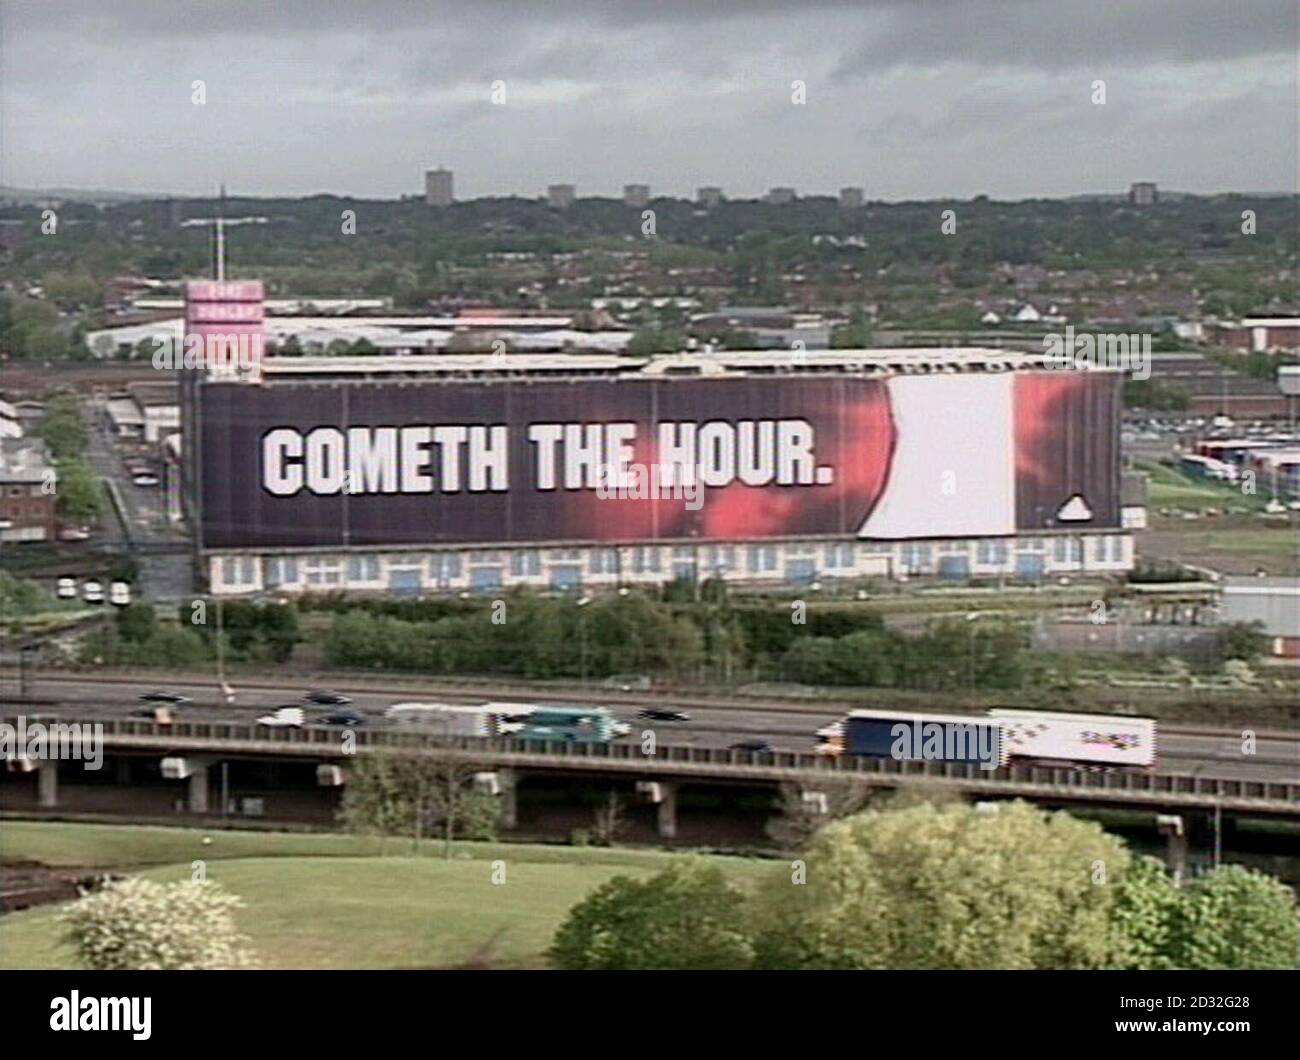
(955, 567)
(485, 578)
(1030, 564)
(566, 578)
(801, 570)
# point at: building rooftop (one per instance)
(24, 461)
(875, 362)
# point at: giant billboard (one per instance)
(344, 463)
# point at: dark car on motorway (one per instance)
(163, 697)
(663, 714)
(327, 699)
(347, 718)
(756, 746)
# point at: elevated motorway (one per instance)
(715, 723)
(669, 765)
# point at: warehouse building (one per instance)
(452, 473)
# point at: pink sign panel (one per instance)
(223, 320)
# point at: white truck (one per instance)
(455, 719)
(1077, 739)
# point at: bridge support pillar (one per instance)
(667, 810)
(47, 783)
(1172, 828)
(198, 788)
(509, 796)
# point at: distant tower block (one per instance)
(851, 198)
(636, 195)
(708, 197)
(1143, 193)
(438, 185)
(781, 196)
(560, 196)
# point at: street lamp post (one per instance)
(583, 601)
(227, 693)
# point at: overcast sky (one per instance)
(907, 98)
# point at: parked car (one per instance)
(119, 594)
(327, 699)
(74, 533)
(66, 589)
(92, 593)
(663, 714)
(754, 746)
(145, 480)
(163, 697)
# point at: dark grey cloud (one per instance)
(907, 97)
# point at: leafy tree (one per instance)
(855, 335)
(1241, 640)
(1234, 917)
(946, 887)
(686, 917)
(418, 795)
(138, 925)
(1145, 905)
(62, 427)
(78, 496)
(137, 622)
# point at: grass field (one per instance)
(321, 901)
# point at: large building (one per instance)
(28, 485)
(1259, 334)
(438, 187)
(1272, 602)
(1143, 193)
(560, 196)
(449, 473)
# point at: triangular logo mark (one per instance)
(1075, 510)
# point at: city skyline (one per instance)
(907, 101)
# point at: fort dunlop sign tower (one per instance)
(410, 474)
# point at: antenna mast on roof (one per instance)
(221, 234)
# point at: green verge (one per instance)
(323, 901)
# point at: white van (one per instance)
(119, 594)
(92, 593)
(66, 589)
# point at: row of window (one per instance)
(800, 561)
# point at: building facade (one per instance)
(28, 491)
(439, 187)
